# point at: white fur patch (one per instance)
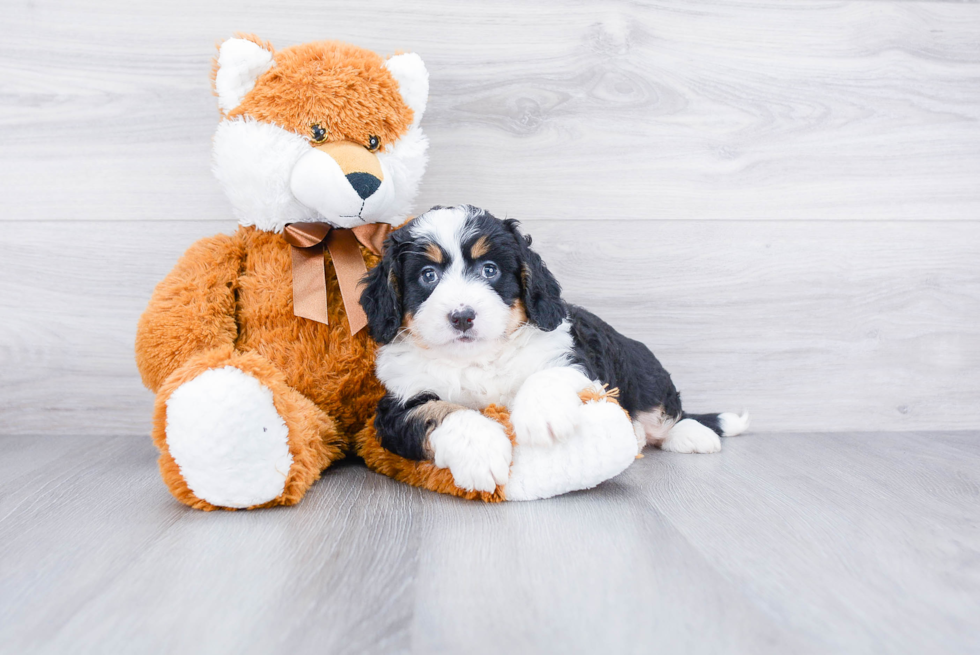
(546, 408)
(733, 424)
(491, 376)
(318, 182)
(602, 446)
(655, 425)
(403, 164)
(253, 162)
(260, 165)
(413, 81)
(240, 63)
(641, 436)
(689, 436)
(474, 448)
(231, 445)
(446, 227)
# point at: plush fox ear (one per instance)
(413, 82)
(239, 64)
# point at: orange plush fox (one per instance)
(256, 395)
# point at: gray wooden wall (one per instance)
(779, 197)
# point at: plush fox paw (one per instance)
(546, 408)
(601, 447)
(224, 433)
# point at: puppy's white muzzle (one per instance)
(486, 313)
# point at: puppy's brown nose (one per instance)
(462, 318)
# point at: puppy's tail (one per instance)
(726, 424)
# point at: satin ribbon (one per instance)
(310, 243)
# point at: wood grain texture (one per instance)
(807, 543)
(809, 325)
(598, 110)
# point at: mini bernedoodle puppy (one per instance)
(468, 315)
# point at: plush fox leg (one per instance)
(233, 434)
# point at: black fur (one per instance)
(540, 291)
(381, 297)
(621, 362)
(643, 383)
(397, 431)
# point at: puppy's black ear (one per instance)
(540, 291)
(381, 297)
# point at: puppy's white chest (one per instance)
(407, 370)
(477, 386)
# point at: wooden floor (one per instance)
(784, 543)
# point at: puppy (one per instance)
(468, 315)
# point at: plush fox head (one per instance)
(320, 132)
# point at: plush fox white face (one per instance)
(321, 132)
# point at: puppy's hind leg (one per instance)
(689, 436)
(693, 433)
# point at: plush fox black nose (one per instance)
(462, 318)
(364, 183)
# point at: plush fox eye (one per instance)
(373, 143)
(317, 133)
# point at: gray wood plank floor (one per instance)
(783, 543)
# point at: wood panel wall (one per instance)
(780, 198)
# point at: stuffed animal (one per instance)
(254, 344)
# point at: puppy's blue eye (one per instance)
(429, 276)
(490, 270)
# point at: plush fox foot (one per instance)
(231, 445)
(600, 445)
(236, 436)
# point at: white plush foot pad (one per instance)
(227, 438)
(602, 446)
(689, 436)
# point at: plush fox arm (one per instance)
(192, 310)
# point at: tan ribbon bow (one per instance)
(310, 244)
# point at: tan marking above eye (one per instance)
(434, 252)
(480, 248)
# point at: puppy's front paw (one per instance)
(474, 448)
(547, 406)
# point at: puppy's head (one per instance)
(459, 279)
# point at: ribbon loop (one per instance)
(310, 243)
